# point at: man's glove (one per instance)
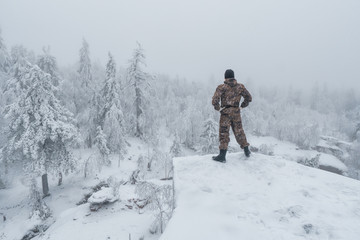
(244, 104)
(217, 107)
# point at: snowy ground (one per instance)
(260, 197)
(264, 197)
(70, 221)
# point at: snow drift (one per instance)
(264, 197)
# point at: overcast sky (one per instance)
(284, 41)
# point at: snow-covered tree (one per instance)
(101, 144)
(139, 81)
(48, 64)
(17, 83)
(190, 124)
(210, 137)
(175, 149)
(84, 70)
(83, 96)
(111, 116)
(40, 129)
(5, 60)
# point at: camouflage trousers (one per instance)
(231, 117)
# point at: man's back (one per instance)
(230, 93)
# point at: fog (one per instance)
(270, 42)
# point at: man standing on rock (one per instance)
(230, 93)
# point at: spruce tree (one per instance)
(210, 136)
(39, 209)
(175, 149)
(5, 60)
(84, 95)
(48, 64)
(101, 144)
(40, 130)
(139, 81)
(17, 84)
(111, 117)
(84, 70)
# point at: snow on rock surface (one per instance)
(104, 195)
(329, 160)
(262, 197)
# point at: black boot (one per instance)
(247, 151)
(221, 156)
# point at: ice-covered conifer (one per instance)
(101, 144)
(83, 96)
(40, 129)
(39, 209)
(5, 60)
(48, 64)
(139, 81)
(17, 84)
(111, 116)
(84, 70)
(210, 137)
(175, 149)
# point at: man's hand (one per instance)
(217, 107)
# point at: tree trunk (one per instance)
(60, 179)
(161, 222)
(45, 185)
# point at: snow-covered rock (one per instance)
(105, 195)
(263, 197)
(332, 164)
(289, 151)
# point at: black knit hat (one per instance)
(229, 74)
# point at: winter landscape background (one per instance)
(113, 102)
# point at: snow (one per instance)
(255, 198)
(263, 197)
(110, 223)
(329, 160)
(323, 143)
(290, 151)
(113, 221)
(104, 195)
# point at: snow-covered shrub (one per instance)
(142, 164)
(160, 165)
(310, 162)
(307, 136)
(161, 200)
(266, 149)
(39, 209)
(92, 165)
(135, 177)
(101, 144)
(114, 184)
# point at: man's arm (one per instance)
(216, 98)
(247, 97)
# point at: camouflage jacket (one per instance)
(230, 93)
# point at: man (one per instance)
(230, 93)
